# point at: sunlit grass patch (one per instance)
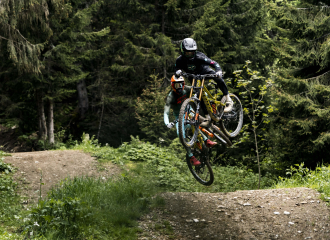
(299, 176)
(4, 235)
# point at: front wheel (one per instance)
(188, 123)
(203, 173)
(231, 122)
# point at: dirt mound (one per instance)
(296, 213)
(54, 167)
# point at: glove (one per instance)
(219, 74)
(170, 125)
(178, 73)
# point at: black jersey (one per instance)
(199, 64)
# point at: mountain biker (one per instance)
(194, 62)
(174, 100)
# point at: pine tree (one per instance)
(230, 33)
(24, 29)
(150, 113)
(302, 43)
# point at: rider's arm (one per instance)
(178, 64)
(167, 109)
(208, 61)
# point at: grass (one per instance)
(167, 167)
(299, 176)
(10, 207)
(87, 208)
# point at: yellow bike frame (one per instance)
(207, 96)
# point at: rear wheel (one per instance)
(203, 173)
(231, 122)
(188, 125)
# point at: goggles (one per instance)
(189, 54)
(177, 85)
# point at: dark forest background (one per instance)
(103, 68)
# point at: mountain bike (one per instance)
(223, 125)
(189, 117)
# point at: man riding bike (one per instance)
(195, 62)
(174, 100)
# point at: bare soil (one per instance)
(296, 213)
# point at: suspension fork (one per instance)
(191, 90)
(201, 90)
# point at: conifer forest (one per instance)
(103, 67)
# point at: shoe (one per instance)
(194, 161)
(229, 105)
(206, 122)
(209, 143)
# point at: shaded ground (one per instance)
(9, 142)
(296, 213)
(54, 167)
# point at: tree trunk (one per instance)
(163, 31)
(51, 122)
(98, 133)
(42, 118)
(257, 151)
(82, 98)
(163, 20)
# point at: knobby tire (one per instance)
(224, 123)
(204, 168)
(187, 141)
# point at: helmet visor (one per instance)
(189, 54)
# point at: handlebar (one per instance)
(199, 76)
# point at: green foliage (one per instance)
(19, 21)
(300, 176)
(150, 113)
(166, 167)
(87, 208)
(4, 167)
(58, 215)
(9, 200)
(299, 130)
(232, 31)
(255, 109)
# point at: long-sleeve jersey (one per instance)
(198, 65)
(175, 101)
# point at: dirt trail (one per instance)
(296, 213)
